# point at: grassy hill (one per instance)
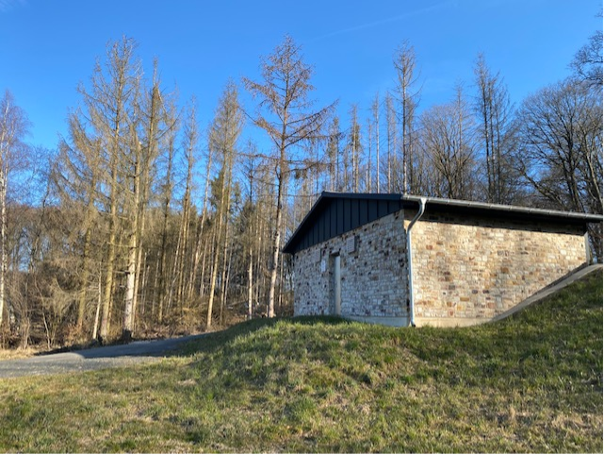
(532, 383)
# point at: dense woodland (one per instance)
(143, 223)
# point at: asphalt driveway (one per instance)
(92, 358)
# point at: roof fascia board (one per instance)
(525, 213)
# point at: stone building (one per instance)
(397, 260)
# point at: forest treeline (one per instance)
(143, 223)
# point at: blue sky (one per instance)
(48, 47)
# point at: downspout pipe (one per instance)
(422, 207)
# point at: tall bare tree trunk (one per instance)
(224, 135)
(163, 268)
(111, 247)
(250, 281)
(14, 125)
(391, 141)
(368, 177)
(227, 256)
(130, 286)
(3, 253)
(213, 276)
(99, 303)
(275, 250)
(375, 108)
(85, 277)
(404, 64)
(200, 246)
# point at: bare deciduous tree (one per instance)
(408, 95)
(492, 106)
(391, 134)
(114, 143)
(354, 146)
(561, 148)
(375, 111)
(14, 126)
(587, 64)
(285, 114)
(447, 139)
(333, 154)
(223, 138)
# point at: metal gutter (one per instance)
(519, 210)
(422, 207)
(450, 205)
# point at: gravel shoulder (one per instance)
(93, 358)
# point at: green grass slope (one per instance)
(532, 383)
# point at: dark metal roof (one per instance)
(336, 213)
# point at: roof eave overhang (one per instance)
(441, 204)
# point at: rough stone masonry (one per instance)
(466, 270)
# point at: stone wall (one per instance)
(373, 274)
(468, 272)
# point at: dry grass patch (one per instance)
(17, 353)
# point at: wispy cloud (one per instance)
(380, 22)
(7, 5)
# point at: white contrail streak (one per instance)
(7, 5)
(399, 17)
